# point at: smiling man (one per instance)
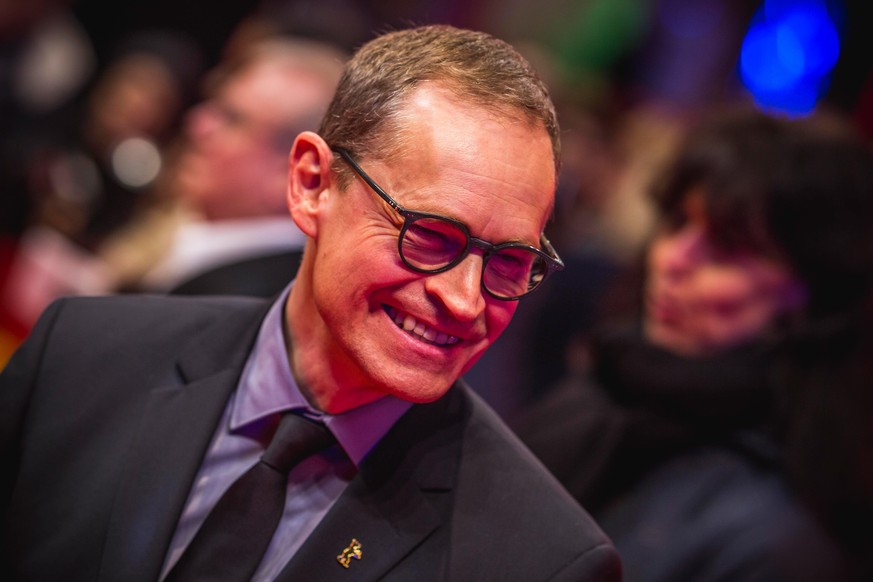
(370, 303)
(152, 451)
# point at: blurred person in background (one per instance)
(228, 229)
(47, 60)
(93, 182)
(671, 439)
(90, 181)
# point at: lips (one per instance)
(420, 330)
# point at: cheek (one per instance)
(223, 172)
(739, 323)
(257, 165)
(656, 257)
(731, 307)
(222, 147)
(498, 314)
(716, 286)
(353, 262)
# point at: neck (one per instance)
(321, 369)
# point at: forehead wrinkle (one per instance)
(514, 195)
(426, 198)
(471, 164)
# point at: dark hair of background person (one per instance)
(762, 184)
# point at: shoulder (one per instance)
(144, 305)
(109, 317)
(504, 490)
(573, 431)
(497, 469)
(718, 513)
(505, 516)
(105, 333)
(494, 457)
(726, 491)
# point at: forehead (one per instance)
(436, 110)
(459, 155)
(273, 91)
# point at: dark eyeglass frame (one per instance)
(552, 261)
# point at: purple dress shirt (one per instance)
(266, 389)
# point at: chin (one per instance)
(434, 391)
(668, 339)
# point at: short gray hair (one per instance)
(365, 116)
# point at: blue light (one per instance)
(789, 52)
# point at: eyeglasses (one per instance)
(430, 243)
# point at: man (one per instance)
(437, 141)
(231, 230)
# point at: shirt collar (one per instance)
(267, 387)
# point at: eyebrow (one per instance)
(347, 157)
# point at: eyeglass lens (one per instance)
(430, 243)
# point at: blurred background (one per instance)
(95, 95)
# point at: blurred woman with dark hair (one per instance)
(671, 442)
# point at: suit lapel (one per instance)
(176, 428)
(360, 514)
(398, 501)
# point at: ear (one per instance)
(309, 178)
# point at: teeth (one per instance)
(408, 323)
(419, 329)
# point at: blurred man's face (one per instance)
(234, 164)
(701, 299)
(386, 329)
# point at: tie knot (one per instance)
(296, 438)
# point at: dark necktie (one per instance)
(232, 540)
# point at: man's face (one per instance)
(701, 299)
(234, 164)
(389, 329)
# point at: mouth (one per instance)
(419, 330)
(667, 311)
(659, 309)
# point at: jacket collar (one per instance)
(175, 430)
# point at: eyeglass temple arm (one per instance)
(557, 263)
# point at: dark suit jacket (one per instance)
(260, 276)
(107, 411)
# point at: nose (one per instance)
(460, 288)
(201, 121)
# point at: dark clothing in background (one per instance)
(674, 459)
(263, 276)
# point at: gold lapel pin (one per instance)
(349, 553)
